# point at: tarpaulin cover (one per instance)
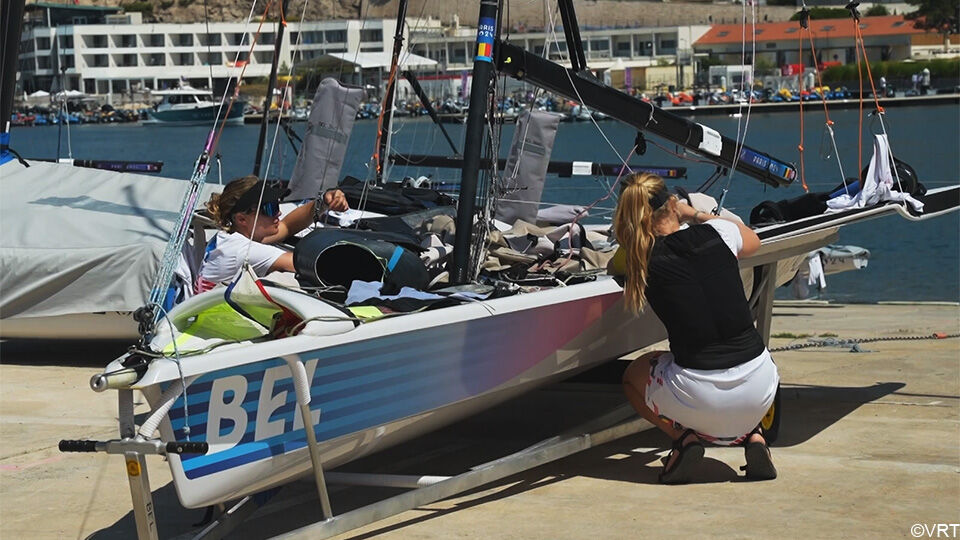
(76, 240)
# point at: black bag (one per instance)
(808, 204)
(331, 256)
(391, 199)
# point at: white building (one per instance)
(101, 52)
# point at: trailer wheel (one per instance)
(771, 421)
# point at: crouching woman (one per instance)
(718, 379)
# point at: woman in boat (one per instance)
(235, 211)
(718, 379)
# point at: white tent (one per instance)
(39, 94)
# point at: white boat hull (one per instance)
(381, 383)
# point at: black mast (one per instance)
(386, 116)
(473, 144)
(270, 86)
(12, 14)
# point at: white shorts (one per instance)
(722, 406)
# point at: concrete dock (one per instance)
(869, 447)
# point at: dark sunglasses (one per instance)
(267, 209)
(270, 209)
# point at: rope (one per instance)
(836, 342)
(828, 123)
(803, 176)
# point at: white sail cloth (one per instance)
(879, 184)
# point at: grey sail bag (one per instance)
(526, 168)
(325, 143)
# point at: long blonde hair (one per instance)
(221, 204)
(633, 224)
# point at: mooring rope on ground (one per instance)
(836, 342)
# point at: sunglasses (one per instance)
(270, 209)
(267, 209)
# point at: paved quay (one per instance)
(869, 447)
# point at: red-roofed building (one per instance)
(885, 38)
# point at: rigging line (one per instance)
(828, 123)
(740, 141)
(606, 196)
(859, 98)
(236, 90)
(236, 58)
(803, 177)
(592, 119)
(206, 21)
(876, 100)
(286, 89)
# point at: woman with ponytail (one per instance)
(718, 379)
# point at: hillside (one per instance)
(519, 14)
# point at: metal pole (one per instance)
(270, 86)
(12, 20)
(383, 134)
(473, 145)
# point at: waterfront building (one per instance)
(890, 37)
(102, 51)
(98, 50)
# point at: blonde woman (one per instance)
(237, 213)
(718, 379)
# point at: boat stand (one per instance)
(613, 425)
(134, 449)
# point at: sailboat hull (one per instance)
(379, 384)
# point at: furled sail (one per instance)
(523, 178)
(325, 144)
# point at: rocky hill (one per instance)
(526, 14)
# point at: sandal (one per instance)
(759, 462)
(687, 462)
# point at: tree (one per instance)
(877, 10)
(937, 15)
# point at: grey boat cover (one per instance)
(526, 168)
(75, 240)
(325, 144)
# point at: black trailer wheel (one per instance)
(771, 420)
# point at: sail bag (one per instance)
(526, 168)
(325, 143)
(330, 256)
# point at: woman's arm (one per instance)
(751, 242)
(284, 263)
(294, 222)
(302, 216)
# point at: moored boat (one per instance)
(188, 106)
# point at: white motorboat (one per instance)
(189, 106)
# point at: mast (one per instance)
(473, 144)
(386, 114)
(12, 20)
(281, 24)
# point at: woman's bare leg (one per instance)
(635, 387)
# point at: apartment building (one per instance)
(98, 50)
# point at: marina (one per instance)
(385, 326)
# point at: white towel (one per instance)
(879, 184)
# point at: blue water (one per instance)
(909, 261)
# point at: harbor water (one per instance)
(909, 261)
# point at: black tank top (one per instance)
(694, 286)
